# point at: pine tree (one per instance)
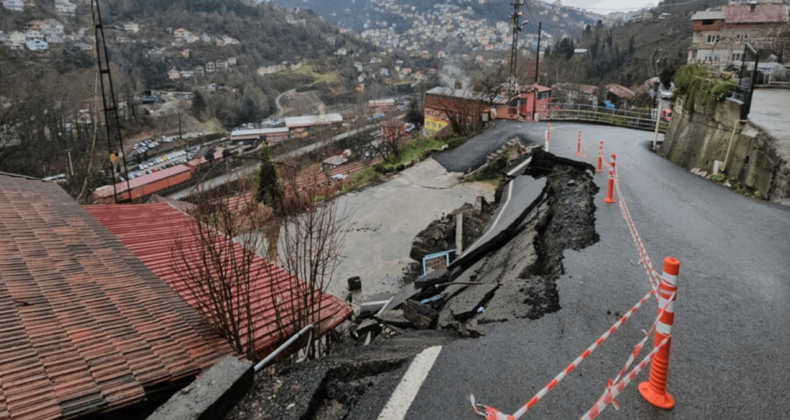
(270, 186)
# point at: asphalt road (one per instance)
(472, 154)
(729, 353)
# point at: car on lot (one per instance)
(148, 172)
(666, 94)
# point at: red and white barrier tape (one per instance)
(612, 393)
(493, 413)
(637, 349)
(644, 259)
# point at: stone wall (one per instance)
(697, 141)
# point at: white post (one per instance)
(548, 135)
(459, 234)
(658, 119)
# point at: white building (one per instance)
(131, 27)
(14, 5)
(37, 45)
(63, 7)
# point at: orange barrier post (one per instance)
(579, 145)
(600, 156)
(655, 391)
(609, 198)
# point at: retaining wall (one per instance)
(697, 140)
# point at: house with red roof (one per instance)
(85, 326)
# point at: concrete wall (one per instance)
(697, 141)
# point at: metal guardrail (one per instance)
(618, 117)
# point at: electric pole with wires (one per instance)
(111, 122)
(516, 25)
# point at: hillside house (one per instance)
(442, 105)
(341, 51)
(131, 27)
(173, 74)
(186, 53)
(16, 37)
(53, 38)
(210, 67)
(180, 33)
(221, 65)
(533, 101)
(37, 45)
(199, 71)
(31, 35)
(231, 61)
(335, 160)
(63, 7)
(155, 52)
(619, 95)
(83, 46)
(35, 25)
(14, 5)
(186, 74)
(52, 27)
(205, 38)
(720, 33)
(571, 93)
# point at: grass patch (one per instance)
(213, 125)
(365, 176)
(307, 70)
(413, 151)
(736, 186)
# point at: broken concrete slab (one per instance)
(423, 317)
(374, 304)
(394, 318)
(368, 326)
(434, 277)
(407, 292)
(465, 304)
(212, 395)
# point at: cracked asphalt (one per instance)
(730, 340)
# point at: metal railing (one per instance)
(618, 117)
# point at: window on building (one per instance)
(736, 57)
(712, 39)
(707, 22)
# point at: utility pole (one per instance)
(537, 53)
(111, 122)
(515, 18)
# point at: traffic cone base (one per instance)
(664, 401)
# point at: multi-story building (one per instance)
(720, 33)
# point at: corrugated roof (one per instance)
(310, 120)
(84, 325)
(107, 190)
(257, 132)
(150, 231)
(708, 15)
(762, 13)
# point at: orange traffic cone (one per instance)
(655, 391)
(609, 198)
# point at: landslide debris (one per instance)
(440, 234)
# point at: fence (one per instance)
(590, 113)
(436, 261)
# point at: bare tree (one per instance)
(464, 114)
(214, 256)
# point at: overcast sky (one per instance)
(606, 6)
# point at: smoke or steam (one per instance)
(451, 75)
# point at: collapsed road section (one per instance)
(509, 270)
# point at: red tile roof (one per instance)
(150, 231)
(762, 13)
(84, 325)
(620, 91)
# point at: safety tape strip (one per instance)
(579, 359)
(637, 349)
(611, 394)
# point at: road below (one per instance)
(730, 338)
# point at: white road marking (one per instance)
(521, 165)
(407, 389)
(502, 211)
